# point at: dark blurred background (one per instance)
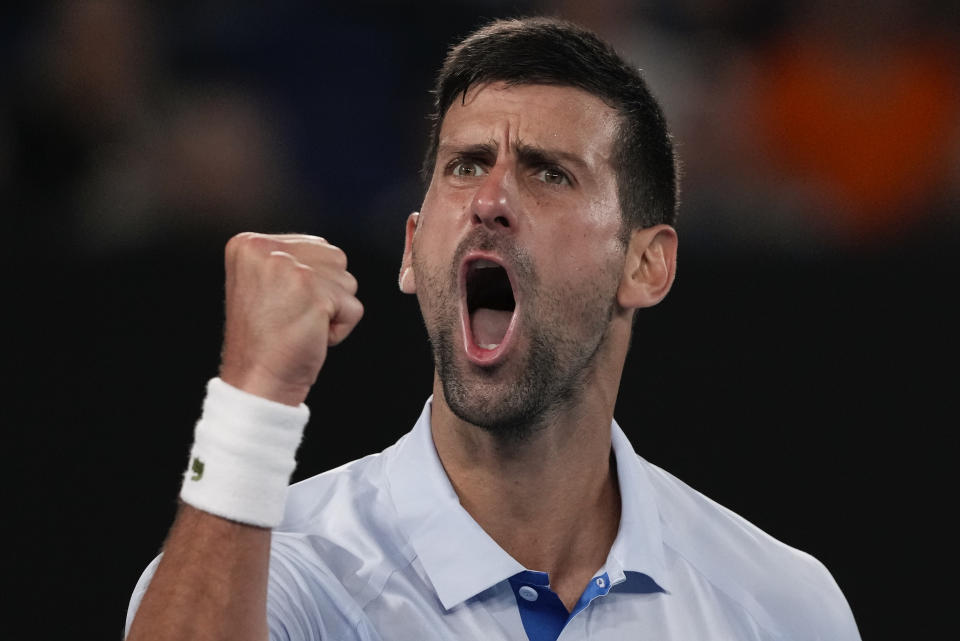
(802, 372)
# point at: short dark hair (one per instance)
(550, 51)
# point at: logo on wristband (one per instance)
(197, 468)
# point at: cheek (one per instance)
(587, 246)
(586, 273)
(579, 222)
(440, 218)
(432, 264)
(444, 201)
(603, 216)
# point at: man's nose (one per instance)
(495, 202)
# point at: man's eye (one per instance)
(553, 176)
(464, 168)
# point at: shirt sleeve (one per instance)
(806, 603)
(832, 616)
(304, 601)
(138, 591)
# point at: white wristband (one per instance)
(243, 455)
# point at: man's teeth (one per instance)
(489, 346)
(482, 263)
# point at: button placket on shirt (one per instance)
(543, 614)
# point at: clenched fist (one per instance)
(289, 297)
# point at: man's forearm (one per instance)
(289, 298)
(210, 584)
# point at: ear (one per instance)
(649, 268)
(407, 281)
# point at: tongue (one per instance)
(489, 326)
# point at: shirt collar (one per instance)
(460, 558)
(638, 546)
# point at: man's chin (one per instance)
(503, 408)
(506, 399)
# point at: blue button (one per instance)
(528, 593)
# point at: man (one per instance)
(516, 508)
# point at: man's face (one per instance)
(517, 255)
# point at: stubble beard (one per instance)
(552, 374)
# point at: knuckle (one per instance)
(247, 244)
(287, 266)
(257, 243)
(351, 310)
(338, 257)
(304, 273)
(234, 243)
(277, 260)
(242, 237)
(329, 306)
(350, 282)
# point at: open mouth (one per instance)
(489, 309)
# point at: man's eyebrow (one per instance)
(528, 154)
(534, 155)
(472, 150)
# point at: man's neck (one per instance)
(550, 500)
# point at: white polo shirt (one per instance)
(380, 549)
